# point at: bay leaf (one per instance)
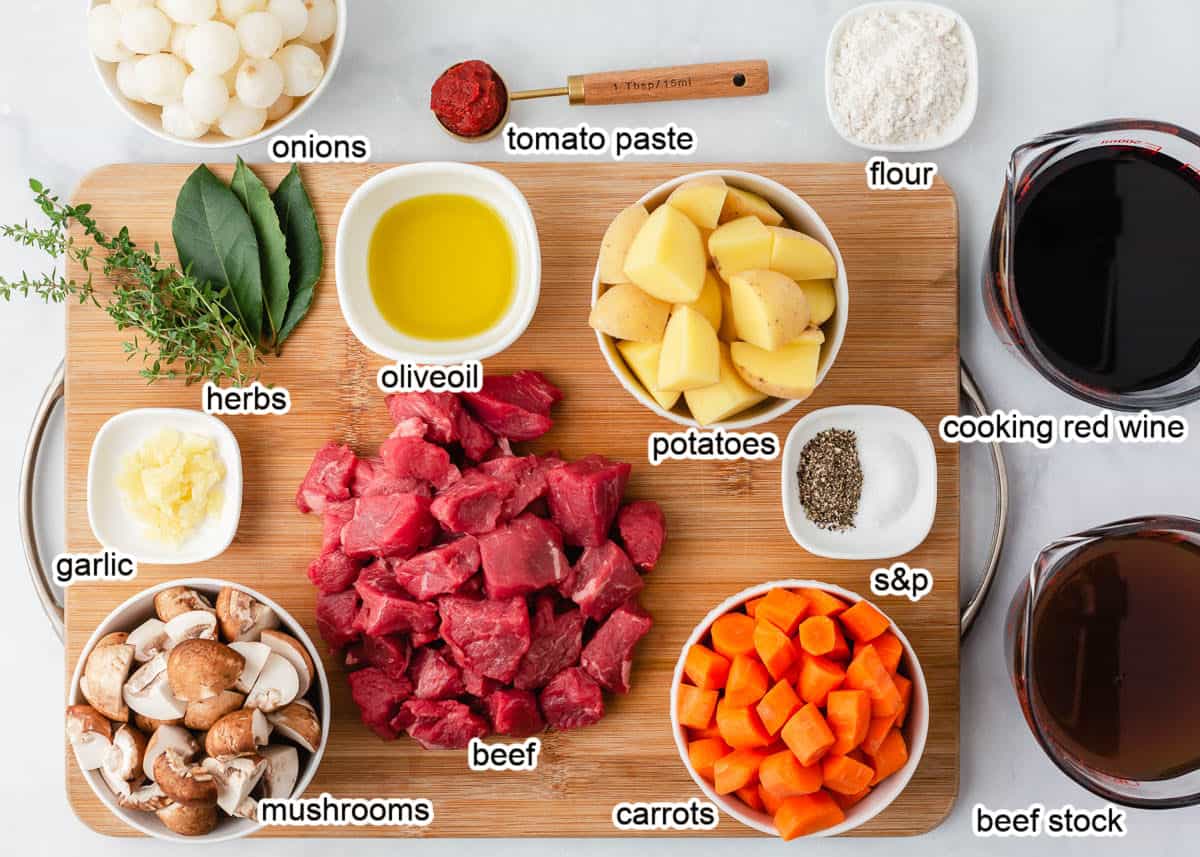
(299, 224)
(272, 246)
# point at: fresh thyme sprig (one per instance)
(187, 331)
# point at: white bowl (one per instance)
(916, 726)
(798, 214)
(899, 496)
(113, 524)
(955, 129)
(148, 115)
(374, 198)
(132, 613)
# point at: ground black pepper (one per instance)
(831, 479)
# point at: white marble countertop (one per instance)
(1044, 66)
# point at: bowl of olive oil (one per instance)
(438, 263)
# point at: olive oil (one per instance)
(442, 267)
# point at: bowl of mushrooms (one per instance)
(193, 701)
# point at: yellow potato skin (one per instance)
(701, 199)
(822, 300)
(726, 398)
(741, 245)
(617, 239)
(691, 356)
(666, 259)
(642, 359)
(709, 303)
(769, 309)
(789, 372)
(744, 203)
(626, 312)
(799, 256)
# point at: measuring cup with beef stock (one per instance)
(1104, 651)
(1093, 272)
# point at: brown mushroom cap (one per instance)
(200, 669)
(148, 798)
(188, 820)
(184, 783)
(150, 725)
(203, 714)
(239, 733)
(298, 721)
(116, 638)
(179, 599)
(103, 680)
(241, 616)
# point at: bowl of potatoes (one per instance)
(719, 299)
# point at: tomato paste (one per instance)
(469, 98)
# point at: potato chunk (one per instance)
(626, 312)
(709, 303)
(701, 199)
(822, 300)
(743, 245)
(690, 354)
(666, 259)
(617, 238)
(800, 256)
(789, 372)
(728, 331)
(642, 359)
(726, 398)
(769, 309)
(743, 203)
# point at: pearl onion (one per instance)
(213, 47)
(302, 69)
(259, 83)
(127, 80)
(240, 120)
(260, 33)
(292, 14)
(145, 30)
(282, 107)
(189, 11)
(234, 9)
(205, 96)
(178, 43)
(125, 6)
(160, 78)
(322, 20)
(104, 34)
(179, 123)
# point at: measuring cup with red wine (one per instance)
(1104, 645)
(1093, 272)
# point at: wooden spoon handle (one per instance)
(671, 83)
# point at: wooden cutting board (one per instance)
(726, 525)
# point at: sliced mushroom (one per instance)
(126, 755)
(248, 808)
(242, 617)
(177, 600)
(299, 723)
(174, 738)
(283, 769)
(238, 734)
(148, 691)
(148, 639)
(90, 735)
(148, 798)
(183, 782)
(202, 715)
(293, 651)
(116, 638)
(236, 778)
(188, 820)
(150, 724)
(120, 788)
(104, 675)
(193, 625)
(199, 669)
(277, 685)
(256, 655)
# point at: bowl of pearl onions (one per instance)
(213, 73)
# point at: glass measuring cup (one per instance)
(1031, 161)
(1051, 567)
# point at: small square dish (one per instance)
(114, 524)
(899, 490)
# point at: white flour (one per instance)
(899, 77)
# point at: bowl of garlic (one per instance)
(215, 73)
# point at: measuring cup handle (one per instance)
(54, 393)
(671, 83)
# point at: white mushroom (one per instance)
(293, 651)
(193, 625)
(199, 669)
(277, 685)
(183, 782)
(238, 734)
(165, 738)
(103, 676)
(90, 735)
(148, 640)
(148, 692)
(148, 798)
(203, 714)
(298, 722)
(188, 820)
(243, 618)
(256, 655)
(283, 769)
(248, 808)
(236, 778)
(125, 756)
(120, 788)
(179, 599)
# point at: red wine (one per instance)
(1106, 264)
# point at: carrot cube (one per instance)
(783, 609)
(740, 727)
(805, 814)
(817, 635)
(808, 735)
(709, 731)
(867, 672)
(905, 687)
(696, 706)
(774, 648)
(749, 796)
(770, 802)
(890, 650)
(818, 677)
(733, 634)
(706, 668)
(822, 603)
(876, 732)
(736, 770)
(841, 649)
(752, 606)
(704, 753)
(748, 681)
(777, 706)
(847, 801)
(849, 716)
(863, 622)
(844, 775)
(890, 757)
(784, 777)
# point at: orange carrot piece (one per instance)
(841, 649)
(784, 777)
(748, 681)
(844, 775)
(890, 757)
(740, 727)
(867, 672)
(863, 622)
(704, 753)
(752, 606)
(777, 706)
(817, 635)
(847, 801)
(733, 634)
(818, 677)
(770, 802)
(709, 731)
(876, 732)
(805, 814)
(905, 687)
(706, 668)
(749, 796)
(808, 735)
(784, 609)
(735, 770)
(822, 603)
(849, 716)
(890, 650)
(774, 649)
(696, 706)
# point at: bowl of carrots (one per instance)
(799, 708)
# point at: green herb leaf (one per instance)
(215, 240)
(272, 246)
(299, 223)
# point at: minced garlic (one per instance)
(172, 484)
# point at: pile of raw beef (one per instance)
(472, 590)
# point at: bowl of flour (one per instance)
(901, 76)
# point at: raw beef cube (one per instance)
(387, 606)
(436, 410)
(604, 580)
(476, 441)
(409, 427)
(472, 505)
(424, 638)
(440, 570)
(388, 525)
(333, 572)
(379, 697)
(439, 725)
(354, 656)
(556, 644)
(477, 685)
(526, 389)
(490, 637)
(434, 677)
(506, 419)
(390, 652)
(336, 516)
(335, 618)
(585, 496)
(523, 557)
(371, 478)
(413, 458)
(527, 475)
(571, 700)
(328, 478)
(643, 531)
(514, 712)
(608, 656)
